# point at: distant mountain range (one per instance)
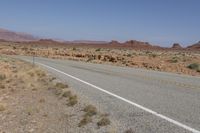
(7, 35)
(87, 42)
(15, 36)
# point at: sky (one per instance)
(160, 22)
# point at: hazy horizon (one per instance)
(158, 22)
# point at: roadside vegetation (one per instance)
(175, 61)
(194, 66)
(36, 98)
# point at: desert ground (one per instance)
(166, 60)
(32, 100)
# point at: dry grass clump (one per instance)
(52, 78)
(2, 107)
(2, 76)
(40, 73)
(99, 49)
(90, 110)
(194, 66)
(174, 60)
(72, 100)
(58, 91)
(61, 85)
(2, 86)
(85, 121)
(67, 94)
(31, 74)
(103, 122)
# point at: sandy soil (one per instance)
(32, 101)
(175, 61)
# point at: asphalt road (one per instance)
(146, 101)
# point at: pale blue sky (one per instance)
(157, 21)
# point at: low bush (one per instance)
(103, 122)
(85, 121)
(98, 49)
(194, 66)
(72, 100)
(61, 85)
(2, 107)
(67, 94)
(90, 110)
(2, 76)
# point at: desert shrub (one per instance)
(40, 73)
(2, 76)
(31, 74)
(148, 52)
(174, 60)
(103, 122)
(153, 55)
(67, 94)
(24, 48)
(61, 85)
(194, 66)
(128, 55)
(98, 49)
(2, 86)
(72, 100)
(90, 59)
(52, 78)
(85, 121)
(2, 107)
(90, 110)
(58, 91)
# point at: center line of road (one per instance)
(127, 101)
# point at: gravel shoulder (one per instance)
(33, 101)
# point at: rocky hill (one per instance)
(15, 36)
(176, 46)
(195, 46)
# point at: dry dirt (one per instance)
(32, 101)
(175, 61)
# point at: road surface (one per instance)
(146, 101)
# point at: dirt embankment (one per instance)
(33, 101)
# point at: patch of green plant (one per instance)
(2, 76)
(98, 49)
(194, 66)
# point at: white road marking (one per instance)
(128, 101)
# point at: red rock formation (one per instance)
(15, 36)
(195, 46)
(176, 46)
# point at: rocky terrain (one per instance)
(32, 101)
(175, 60)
